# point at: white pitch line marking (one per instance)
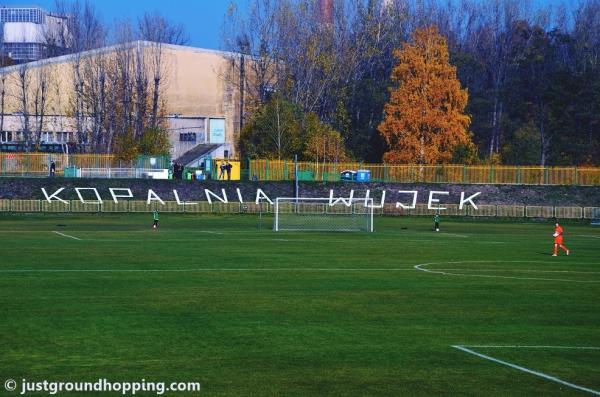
(533, 347)
(307, 269)
(588, 235)
(527, 370)
(446, 273)
(454, 235)
(66, 235)
(517, 271)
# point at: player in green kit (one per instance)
(155, 218)
(436, 222)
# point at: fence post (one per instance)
(465, 175)
(576, 179)
(285, 173)
(315, 170)
(491, 173)
(267, 169)
(546, 172)
(335, 175)
(518, 174)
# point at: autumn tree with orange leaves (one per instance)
(424, 118)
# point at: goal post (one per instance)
(323, 214)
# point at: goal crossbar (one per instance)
(323, 214)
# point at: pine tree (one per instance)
(424, 118)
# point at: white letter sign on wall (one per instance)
(433, 200)
(414, 201)
(153, 197)
(179, 202)
(208, 194)
(341, 199)
(54, 195)
(261, 195)
(114, 195)
(463, 200)
(79, 189)
(368, 196)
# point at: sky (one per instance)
(202, 19)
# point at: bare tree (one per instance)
(23, 82)
(95, 75)
(156, 29)
(123, 79)
(152, 26)
(141, 91)
(2, 98)
(40, 99)
(254, 40)
(84, 31)
(4, 61)
(587, 32)
(496, 50)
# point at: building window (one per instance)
(33, 15)
(59, 137)
(6, 136)
(187, 137)
(24, 51)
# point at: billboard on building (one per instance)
(217, 130)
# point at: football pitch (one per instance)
(480, 308)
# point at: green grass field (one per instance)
(250, 312)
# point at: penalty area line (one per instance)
(422, 267)
(66, 235)
(527, 370)
(532, 347)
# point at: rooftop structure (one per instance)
(28, 33)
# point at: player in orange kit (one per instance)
(558, 240)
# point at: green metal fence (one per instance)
(282, 170)
(38, 164)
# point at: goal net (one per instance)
(595, 216)
(323, 214)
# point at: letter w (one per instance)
(341, 199)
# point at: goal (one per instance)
(323, 214)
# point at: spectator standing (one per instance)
(222, 168)
(228, 168)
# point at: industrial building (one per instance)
(202, 100)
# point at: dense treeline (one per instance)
(532, 74)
